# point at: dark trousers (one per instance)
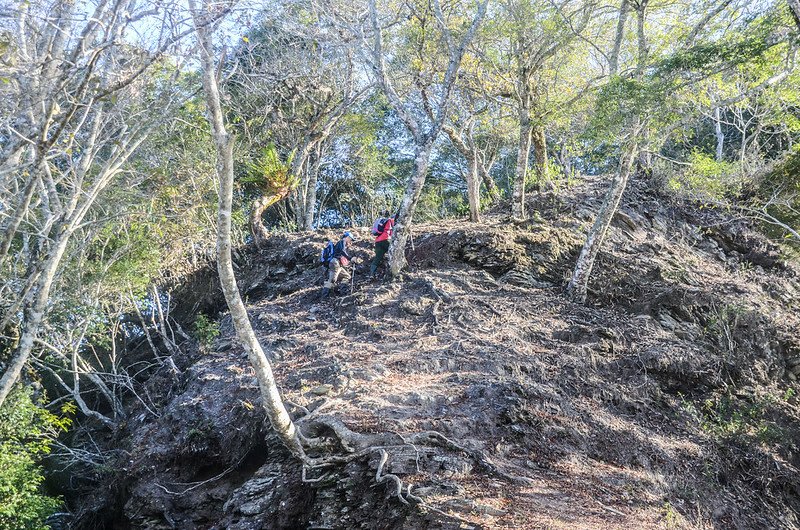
(381, 248)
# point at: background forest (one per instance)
(441, 110)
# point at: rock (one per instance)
(667, 321)
(625, 218)
(321, 390)
(793, 361)
(470, 506)
(524, 278)
(412, 308)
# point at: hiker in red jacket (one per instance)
(382, 230)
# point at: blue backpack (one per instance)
(327, 253)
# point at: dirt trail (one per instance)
(668, 401)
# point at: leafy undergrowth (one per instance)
(668, 401)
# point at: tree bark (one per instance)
(397, 250)
(719, 134)
(19, 215)
(473, 190)
(475, 171)
(578, 285)
(34, 315)
(539, 142)
(794, 5)
(613, 62)
(257, 228)
(311, 193)
(523, 150)
(270, 395)
(488, 181)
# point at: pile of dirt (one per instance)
(668, 401)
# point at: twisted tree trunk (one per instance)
(257, 228)
(276, 411)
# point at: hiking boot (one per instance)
(325, 293)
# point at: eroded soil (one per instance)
(668, 401)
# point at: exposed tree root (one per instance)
(355, 445)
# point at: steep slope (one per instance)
(669, 401)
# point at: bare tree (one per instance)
(292, 83)
(533, 45)
(276, 411)
(75, 116)
(423, 132)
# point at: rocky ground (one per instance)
(668, 401)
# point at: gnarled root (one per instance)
(356, 445)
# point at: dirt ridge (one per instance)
(669, 401)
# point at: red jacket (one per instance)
(388, 228)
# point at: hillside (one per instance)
(668, 401)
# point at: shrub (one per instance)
(205, 330)
(708, 177)
(27, 431)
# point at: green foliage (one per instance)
(671, 517)
(708, 57)
(618, 103)
(552, 177)
(707, 177)
(729, 417)
(269, 172)
(125, 256)
(205, 330)
(27, 431)
(784, 181)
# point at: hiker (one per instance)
(382, 229)
(337, 262)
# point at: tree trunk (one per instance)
(397, 250)
(565, 161)
(257, 228)
(270, 395)
(613, 62)
(539, 142)
(491, 186)
(19, 215)
(34, 316)
(523, 150)
(311, 194)
(475, 172)
(578, 285)
(720, 135)
(794, 5)
(473, 190)
(641, 38)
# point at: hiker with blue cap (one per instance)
(338, 262)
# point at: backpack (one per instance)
(379, 226)
(327, 253)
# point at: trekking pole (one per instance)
(352, 278)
